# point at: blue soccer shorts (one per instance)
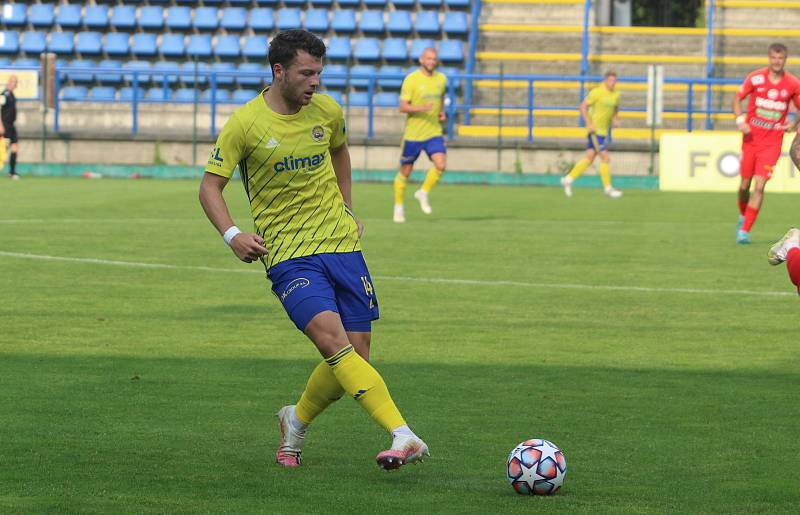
(412, 149)
(598, 143)
(340, 282)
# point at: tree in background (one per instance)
(668, 13)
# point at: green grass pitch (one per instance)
(633, 333)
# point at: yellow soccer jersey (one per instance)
(286, 169)
(603, 104)
(420, 89)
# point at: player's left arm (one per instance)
(340, 159)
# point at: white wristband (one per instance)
(230, 234)
(742, 118)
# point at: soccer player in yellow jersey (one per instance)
(600, 110)
(290, 146)
(422, 99)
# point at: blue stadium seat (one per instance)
(367, 49)
(387, 99)
(451, 51)
(143, 67)
(159, 94)
(225, 73)
(294, 3)
(117, 44)
(69, 16)
(150, 17)
(172, 45)
(267, 2)
(41, 15)
(380, 4)
(34, 42)
(450, 72)
(5, 62)
(160, 72)
(10, 42)
(339, 49)
(81, 76)
(186, 95)
(418, 45)
(288, 18)
(261, 19)
(457, 4)
(27, 62)
(340, 79)
(104, 76)
(206, 18)
(179, 17)
(240, 2)
(126, 94)
(365, 71)
(102, 94)
(322, 3)
(74, 93)
(395, 49)
(199, 45)
(430, 4)
(123, 17)
(61, 43)
(223, 96)
(144, 45)
(390, 76)
(344, 21)
(14, 15)
(242, 96)
(227, 46)
(358, 98)
(234, 18)
(399, 23)
(336, 95)
(89, 43)
(96, 16)
(404, 4)
(348, 3)
(213, 2)
(255, 47)
(243, 79)
(455, 23)
(188, 76)
(316, 20)
(427, 22)
(371, 22)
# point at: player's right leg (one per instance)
(410, 153)
(787, 249)
(579, 168)
(747, 169)
(605, 174)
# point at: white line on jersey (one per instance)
(429, 280)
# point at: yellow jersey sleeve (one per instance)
(229, 150)
(339, 129)
(407, 89)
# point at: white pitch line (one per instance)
(429, 280)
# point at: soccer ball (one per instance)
(536, 467)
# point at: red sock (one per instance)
(793, 265)
(742, 206)
(750, 215)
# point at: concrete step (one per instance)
(512, 120)
(551, 67)
(538, 14)
(498, 41)
(757, 17)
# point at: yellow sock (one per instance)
(605, 175)
(321, 391)
(366, 385)
(579, 168)
(431, 179)
(400, 182)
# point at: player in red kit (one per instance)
(770, 90)
(787, 249)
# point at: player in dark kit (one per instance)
(8, 113)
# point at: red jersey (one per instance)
(769, 104)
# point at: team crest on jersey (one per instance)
(757, 80)
(317, 133)
(772, 94)
(784, 93)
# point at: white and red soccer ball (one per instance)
(536, 467)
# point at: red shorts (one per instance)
(758, 160)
